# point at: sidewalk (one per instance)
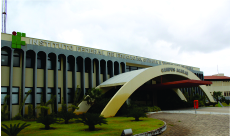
(200, 110)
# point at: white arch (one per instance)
(133, 80)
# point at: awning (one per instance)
(177, 84)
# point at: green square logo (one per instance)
(13, 46)
(16, 40)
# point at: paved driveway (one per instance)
(183, 124)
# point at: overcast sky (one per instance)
(193, 33)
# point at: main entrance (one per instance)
(168, 75)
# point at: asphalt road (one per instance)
(185, 124)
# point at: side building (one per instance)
(49, 67)
(219, 83)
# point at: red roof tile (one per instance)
(216, 77)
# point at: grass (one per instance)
(223, 103)
(114, 128)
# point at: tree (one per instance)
(92, 119)
(4, 112)
(13, 130)
(216, 95)
(94, 95)
(76, 99)
(45, 119)
(22, 103)
(65, 114)
(136, 112)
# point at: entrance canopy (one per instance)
(177, 84)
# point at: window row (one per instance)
(131, 68)
(227, 93)
(50, 92)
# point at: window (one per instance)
(50, 91)
(29, 98)
(40, 61)
(51, 62)
(4, 58)
(59, 63)
(59, 95)
(4, 91)
(15, 95)
(39, 95)
(69, 64)
(29, 61)
(70, 95)
(16, 62)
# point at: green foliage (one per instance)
(227, 101)
(216, 95)
(65, 114)
(94, 95)
(222, 99)
(99, 106)
(152, 109)
(44, 106)
(30, 112)
(92, 119)
(22, 102)
(13, 130)
(137, 112)
(47, 120)
(4, 112)
(76, 99)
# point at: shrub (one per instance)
(13, 130)
(227, 101)
(137, 113)
(65, 114)
(94, 96)
(92, 119)
(47, 120)
(4, 112)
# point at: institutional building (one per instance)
(59, 68)
(219, 83)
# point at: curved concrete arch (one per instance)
(133, 80)
(129, 87)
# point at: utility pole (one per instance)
(4, 15)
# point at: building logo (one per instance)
(16, 40)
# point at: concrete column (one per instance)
(10, 82)
(23, 79)
(105, 72)
(83, 76)
(98, 73)
(34, 83)
(74, 83)
(56, 83)
(119, 69)
(91, 74)
(65, 80)
(46, 78)
(112, 70)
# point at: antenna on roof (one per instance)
(4, 15)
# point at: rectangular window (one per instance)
(4, 58)
(50, 91)
(59, 95)
(39, 95)
(15, 95)
(4, 91)
(70, 95)
(29, 98)
(16, 60)
(59, 63)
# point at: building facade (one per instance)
(54, 68)
(219, 83)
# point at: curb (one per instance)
(154, 132)
(190, 112)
